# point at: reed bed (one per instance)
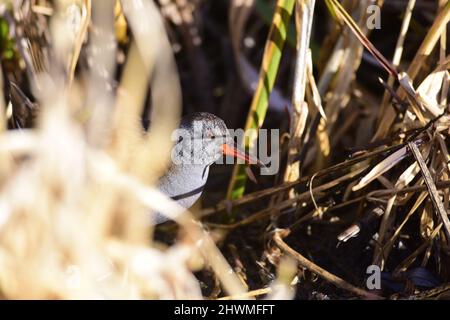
(91, 91)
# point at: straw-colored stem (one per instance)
(304, 18)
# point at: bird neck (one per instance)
(184, 183)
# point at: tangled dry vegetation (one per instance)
(364, 176)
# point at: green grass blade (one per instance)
(268, 72)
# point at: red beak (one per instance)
(234, 152)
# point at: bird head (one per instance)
(203, 138)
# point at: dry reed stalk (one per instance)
(398, 52)
(304, 13)
(305, 263)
